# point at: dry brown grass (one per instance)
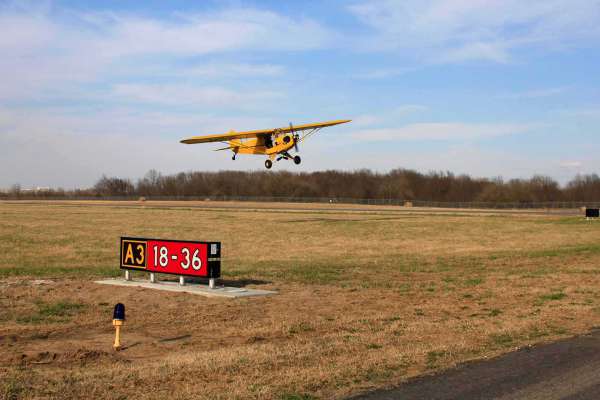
(366, 299)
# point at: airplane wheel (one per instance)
(268, 164)
(297, 160)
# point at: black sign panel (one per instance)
(592, 212)
(133, 253)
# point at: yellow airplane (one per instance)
(274, 143)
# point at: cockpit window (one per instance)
(268, 141)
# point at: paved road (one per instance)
(566, 370)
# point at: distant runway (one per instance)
(298, 207)
(565, 370)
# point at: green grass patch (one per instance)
(473, 282)
(296, 396)
(536, 333)
(551, 297)
(582, 249)
(375, 374)
(433, 357)
(52, 312)
(13, 386)
(502, 339)
(301, 327)
(495, 312)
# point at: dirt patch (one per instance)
(69, 358)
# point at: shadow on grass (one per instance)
(123, 348)
(239, 283)
(174, 339)
(243, 282)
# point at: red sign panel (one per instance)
(177, 257)
(200, 259)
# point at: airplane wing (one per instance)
(250, 134)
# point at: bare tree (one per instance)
(398, 184)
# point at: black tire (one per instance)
(297, 160)
(268, 164)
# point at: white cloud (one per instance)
(48, 54)
(442, 131)
(54, 148)
(191, 95)
(382, 73)
(201, 71)
(388, 116)
(122, 121)
(463, 158)
(234, 70)
(495, 51)
(365, 120)
(407, 109)
(25, 32)
(536, 93)
(571, 164)
(227, 30)
(57, 148)
(75, 160)
(462, 30)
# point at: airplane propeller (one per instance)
(296, 138)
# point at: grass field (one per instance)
(366, 299)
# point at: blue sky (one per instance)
(484, 87)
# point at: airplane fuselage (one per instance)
(261, 145)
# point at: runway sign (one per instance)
(592, 213)
(177, 257)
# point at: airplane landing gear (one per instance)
(233, 158)
(283, 156)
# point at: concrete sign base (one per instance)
(203, 290)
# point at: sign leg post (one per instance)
(181, 281)
(211, 283)
(127, 275)
(152, 277)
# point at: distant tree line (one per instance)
(401, 184)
